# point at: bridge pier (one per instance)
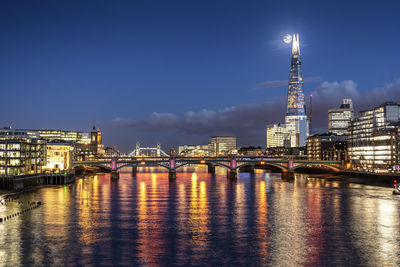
(288, 175)
(134, 169)
(114, 175)
(211, 168)
(172, 175)
(232, 174)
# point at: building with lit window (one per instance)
(251, 151)
(296, 122)
(340, 118)
(58, 156)
(277, 136)
(93, 148)
(193, 150)
(48, 135)
(222, 145)
(85, 144)
(327, 147)
(21, 157)
(374, 138)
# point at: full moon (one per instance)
(287, 38)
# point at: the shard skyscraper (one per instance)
(296, 119)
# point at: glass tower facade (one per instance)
(295, 100)
(296, 119)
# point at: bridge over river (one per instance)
(232, 163)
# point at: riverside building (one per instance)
(374, 139)
(327, 147)
(20, 157)
(58, 156)
(85, 144)
(340, 118)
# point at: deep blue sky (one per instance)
(66, 63)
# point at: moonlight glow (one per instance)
(287, 38)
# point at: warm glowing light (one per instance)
(202, 162)
(287, 39)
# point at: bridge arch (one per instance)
(94, 164)
(319, 166)
(148, 164)
(203, 162)
(279, 166)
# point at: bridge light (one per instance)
(143, 163)
(202, 161)
(262, 162)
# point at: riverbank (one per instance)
(18, 183)
(376, 179)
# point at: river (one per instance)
(203, 219)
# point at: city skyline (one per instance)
(183, 77)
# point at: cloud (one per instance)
(278, 83)
(330, 94)
(248, 121)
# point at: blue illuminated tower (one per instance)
(296, 119)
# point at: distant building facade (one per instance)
(251, 151)
(222, 145)
(277, 136)
(339, 119)
(327, 147)
(193, 150)
(374, 138)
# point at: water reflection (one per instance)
(204, 219)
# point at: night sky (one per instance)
(179, 72)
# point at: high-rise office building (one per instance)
(296, 122)
(340, 118)
(296, 119)
(277, 136)
(374, 138)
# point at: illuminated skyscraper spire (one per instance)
(295, 100)
(295, 45)
(296, 119)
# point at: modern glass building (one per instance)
(296, 119)
(340, 118)
(277, 136)
(222, 145)
(20, 157)
(295, 131)
(374, 139)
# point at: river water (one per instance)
(203, 219)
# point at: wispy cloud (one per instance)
(248, 121)
(278, 83)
